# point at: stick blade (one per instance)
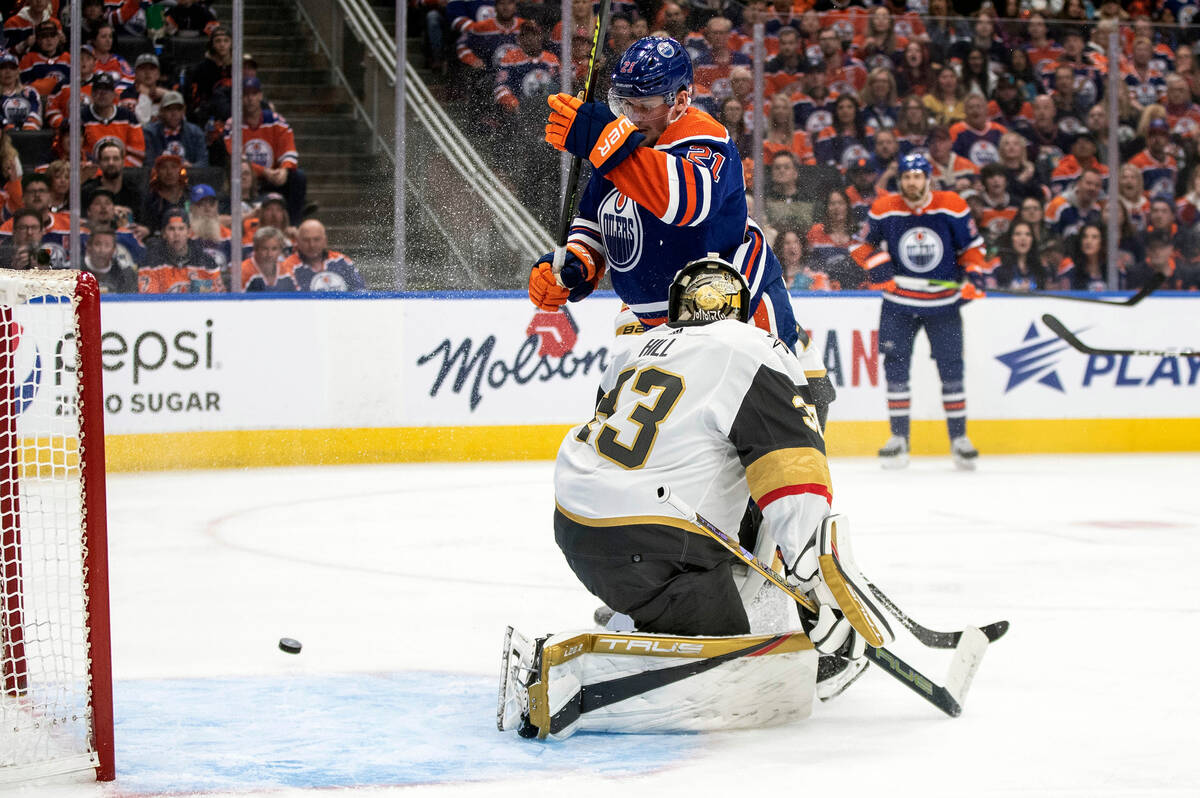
(994, 631)
(968, 656)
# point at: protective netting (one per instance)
(45, 700)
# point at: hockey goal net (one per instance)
(55, 664)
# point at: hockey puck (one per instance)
(289, 645)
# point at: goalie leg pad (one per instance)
(638, 683)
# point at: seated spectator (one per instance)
(267, 270)
(189, 18)
(1048, 141)
(1022, 71)
(951, 171)
(19, 28)
(798, 270)
(206, 227)
(106, 60)
(1149, 85)
(1161, 219)
(103, 259)
(1078, 205)
(999, 206)
(172, 133)
(168, 187)
(880, 102)
(782, 134)
(271, 212)
(1033, 211)
(1133, 197)
(111, 158)
(830, 241)
(1009, 108)
(620, 36)
(318, 268)
(1085, 268)
(485, 42)
(1161, 258)
(1156, 163)
(715, 59)
(10, 177)
(944, 101)
(784, 72)
(788, 205)
(270, 146)
(843, 72)
(102, 214)
(914, 74)
(58, 107)
(885, 163)
(35, 192)
(22, 105)
(733, 117)
(205, 77)
(145, 96)
(975, 75)
(24, 237)
(45, 65)
(862, 190)
(1183, 115)
(977, 138)
(103, 120)
(1082, 157)
(912, 127)
(175, 264)
(1187, 207)
(848, 139)
(59, 174)
(220, 107)
(526, 72)
(1014, 158)
(1018, 265)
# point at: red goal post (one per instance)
(56, 712)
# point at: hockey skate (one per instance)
(894, 453)
(964, 453)
(835, 674)
(518, 671)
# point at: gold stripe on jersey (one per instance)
(784, 468)
(633, 520)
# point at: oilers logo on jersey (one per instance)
(622, 230)
(921, 249)
(983, 152)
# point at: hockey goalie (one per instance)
(719, 410)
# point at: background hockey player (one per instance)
(913, 237)
(707, 405)
(667, 188)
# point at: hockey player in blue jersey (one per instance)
(915, 237)
(666, 188)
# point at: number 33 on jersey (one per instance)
(709, 409)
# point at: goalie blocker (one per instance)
(638, 683)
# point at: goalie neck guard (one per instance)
(708, 289)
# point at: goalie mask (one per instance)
(706, 290)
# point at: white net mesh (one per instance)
(45, 706)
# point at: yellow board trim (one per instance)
(259, 448)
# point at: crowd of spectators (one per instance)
(1009, 100)
(155, 153)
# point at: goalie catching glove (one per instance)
(848, 617)
(591, 131)
(578, 278)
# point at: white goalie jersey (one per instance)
(720, 412)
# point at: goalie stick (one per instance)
(1062, 332)
(1146, 290)
(572, 193)
(968, 653)
(928, 637)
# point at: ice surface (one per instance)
(399, 581)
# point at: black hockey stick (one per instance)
(1062, 332)
(968, 654)
(928, 637)
(1146, 290)
(572, 195)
